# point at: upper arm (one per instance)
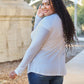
(45, 23)
(40, 34)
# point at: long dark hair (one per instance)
(68, 26)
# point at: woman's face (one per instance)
(47, 7)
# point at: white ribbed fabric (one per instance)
(46, 54)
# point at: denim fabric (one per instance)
(35, 78)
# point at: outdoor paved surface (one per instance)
(75, 70)
(81, 38)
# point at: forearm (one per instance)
(37, 20)
(33, 49)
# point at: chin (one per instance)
(45, 14)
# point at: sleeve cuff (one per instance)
(38, 18)
(16, 72)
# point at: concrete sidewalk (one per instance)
(81, 38)
(75, 70)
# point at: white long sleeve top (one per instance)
(46, 53)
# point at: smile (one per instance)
(45, 11)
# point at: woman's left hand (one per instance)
(12, 75)
(40, 12)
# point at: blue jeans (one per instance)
(35, 78)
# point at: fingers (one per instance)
(12, 75)
(40, 7)
(40, 12)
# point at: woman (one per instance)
(45, 56)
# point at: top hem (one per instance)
(55, 74)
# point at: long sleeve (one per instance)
(41, 34)
(37, 20)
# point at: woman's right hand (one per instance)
(12, 75)
(40, 12)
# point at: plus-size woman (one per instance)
(45, 57)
